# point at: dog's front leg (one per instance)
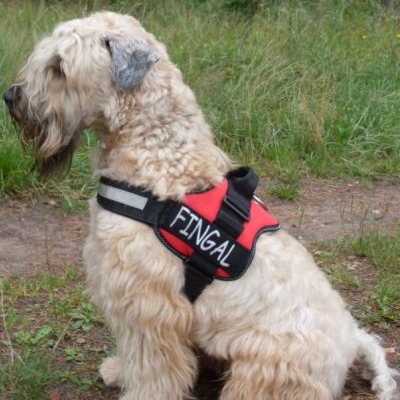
(156, 363)
(152, 369)
(137, 290)
(111, 371)
(155, 360)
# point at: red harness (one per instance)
(208, 204)
(214, 232)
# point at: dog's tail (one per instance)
(374, 367)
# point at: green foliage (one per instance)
(39, 347)
(284, 191)
(73, 355)
(381, 252)
(384, 252)
(306, 86)
(17, 287)
(248, 7)
(33, 338)
(85, 317)
(342, 277)
(27, 377)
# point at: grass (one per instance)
(384, 252)
(298, 88)
(51, 338)
(366, 267)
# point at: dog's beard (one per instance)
(58, 164)
(52, 149)
(48, 123)
(32, 136)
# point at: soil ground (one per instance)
(36, 233)
(37, 236)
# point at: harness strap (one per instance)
(235, 209)
(129, 201)
(211, 231)
(199, 273)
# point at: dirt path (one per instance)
(38, 236)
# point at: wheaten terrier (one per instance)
(284, 333)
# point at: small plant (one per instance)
(387, 297)
(342, 277)
(43, 337)
(73, 355)
(85, 317)
(285, 191)
(67, 376)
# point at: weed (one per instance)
(285, 191)
(331, 258)
(72, 355)
(387, 298)
(85, 317)
(84, 383)
(27, 377)
(42, 337)
(342, 277)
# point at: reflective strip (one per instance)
(122, 196)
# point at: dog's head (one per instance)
(75, 79)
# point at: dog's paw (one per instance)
(396, 377)
(110, 371)
(386, 388)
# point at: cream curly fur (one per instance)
(284, 331)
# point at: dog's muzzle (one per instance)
(12, 96)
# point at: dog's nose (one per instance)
(10, 95)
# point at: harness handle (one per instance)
(235, 209)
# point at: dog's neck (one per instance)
(167, 148)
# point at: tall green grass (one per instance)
(384, 252)
(300, 87)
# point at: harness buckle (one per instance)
(241, 210)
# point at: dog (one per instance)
(282, 330)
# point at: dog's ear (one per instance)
(132, 60)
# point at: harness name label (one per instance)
(203, 235)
